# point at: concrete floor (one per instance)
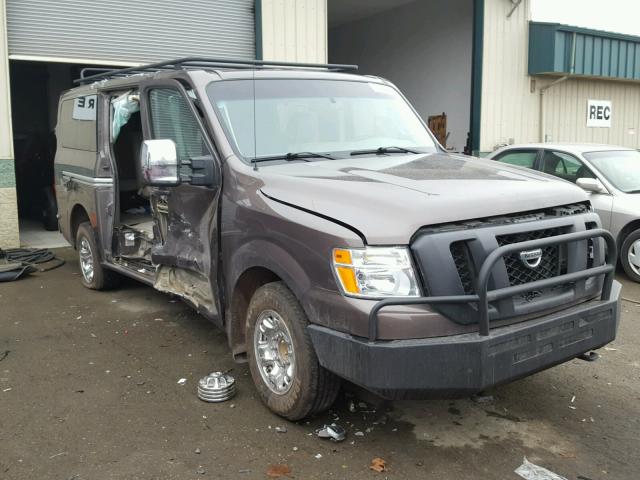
(34, 235)
(89, 390)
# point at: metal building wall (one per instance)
(292, 30)
(509, 108)
(124, 31)
(566, 112)
(511, 104)
(8, 199)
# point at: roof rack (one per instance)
(205, 63)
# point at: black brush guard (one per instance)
(484, 296)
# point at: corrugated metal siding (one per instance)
(511, 98)
(6, 142)
(508, 106)
(566, 112)
(131, 31)
(597, 54)
(294, 30)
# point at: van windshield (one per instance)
(321, 116)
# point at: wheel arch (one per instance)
(625, 231)
(254, 265)
(78, 215)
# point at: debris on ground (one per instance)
(281, 429)
(359, 434)
(378, 465)
(531, 471)
(58, 454)
(182, 381)
(482, 399)
(216, 387)
(334, 432)
(201, 470)
(4, 355)
(197, 450)
(318, 456)
(279, 470)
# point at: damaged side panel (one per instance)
(185, 253)
(192, 286)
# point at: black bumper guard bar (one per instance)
(484, 296)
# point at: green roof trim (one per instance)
(557, 49)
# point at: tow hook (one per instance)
(589, 356)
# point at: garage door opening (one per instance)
(424, 47)
(35, 89)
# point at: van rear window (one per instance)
(77, 125)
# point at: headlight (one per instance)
(375, 272)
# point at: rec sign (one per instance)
(598, 113)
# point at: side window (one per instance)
(565, 166)
(77, 123)
(521, 158)
(171, 118)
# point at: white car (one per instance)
(610, 174)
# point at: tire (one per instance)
(49, 210)
(630, 245)
(312, 389)
(87, 247)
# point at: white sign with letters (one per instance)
(599, 113)
(84, 108)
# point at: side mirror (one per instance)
(591, 185)
(159, 163)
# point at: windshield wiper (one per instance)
(383, 150)
(293, 156)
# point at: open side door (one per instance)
(186, 215)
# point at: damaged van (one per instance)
(312, 215)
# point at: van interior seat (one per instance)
(127, 152)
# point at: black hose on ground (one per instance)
(31, 257)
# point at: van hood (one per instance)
(387, 198)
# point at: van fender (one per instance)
(271, 262)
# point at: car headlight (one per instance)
(375, 272)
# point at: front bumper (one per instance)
(465, 364)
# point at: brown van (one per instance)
(312, 215)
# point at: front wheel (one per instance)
(630, 255)
(283, 363)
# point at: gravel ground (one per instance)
(89, 390)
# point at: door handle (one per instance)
(67, 183)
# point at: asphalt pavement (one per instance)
(89, 389)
